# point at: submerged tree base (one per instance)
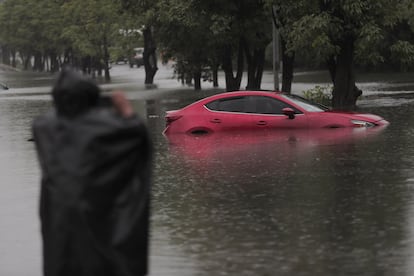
(151, 86)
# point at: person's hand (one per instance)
(121, 104)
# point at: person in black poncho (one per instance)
(95, 160)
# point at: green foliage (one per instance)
(404, 52)
(220, 24)
(312, 32)
(87, 27)
(181, 30)
(369, 38)
(31, 27)
(199, 33)
(319, 94)
(322, 30)
(13, 32)
(197, 30)
(91, 24)
(407, 12)
(402, 48)
(340, 34)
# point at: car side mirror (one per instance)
(289, 112)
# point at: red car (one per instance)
(254, 110)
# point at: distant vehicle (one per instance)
(121, 59)
(119, 55)
(137, 58)
(261, 110)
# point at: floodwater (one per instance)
(286, 203)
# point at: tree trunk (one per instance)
(106, 60)
(255, 63)
(13, 56)
(331, 63)
(26, 60)
(37, 66)
(45, 62)
(86, 65)
(233, 82)
(68, 57)
(197, 79)
(215, 75)
(54, 62)
(345, 92)
(5, 55)
(149, 56)
(287, 69)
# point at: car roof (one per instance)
(244, 93)
(234, 94)
(251, 92)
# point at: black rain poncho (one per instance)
(95, 191)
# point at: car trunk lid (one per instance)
(171, 116)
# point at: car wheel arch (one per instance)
(199, 131)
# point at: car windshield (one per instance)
(305, 104)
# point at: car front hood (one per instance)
(358, 116)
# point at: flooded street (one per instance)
(300, 203)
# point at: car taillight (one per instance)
(171, 118)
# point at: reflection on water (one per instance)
(329, 202)
(296, 204)
(277, 145)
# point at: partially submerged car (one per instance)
(255, 110)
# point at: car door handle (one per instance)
(216, 121)
(261, 123)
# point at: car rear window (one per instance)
(233, 104)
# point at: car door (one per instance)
(267, 113)
(229, 114)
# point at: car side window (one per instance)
(233, 104)
(267, 105)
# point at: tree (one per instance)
(243, 29)
(239, 33)
(284, 14)
(402, 48)
(256, 37)
(15, 36)
(44, 31)
(45, 28)
(182, 32)
(207, 33)
(143, 12)
(341, 33)
(31, 29)
(92, 26)
(6, 27)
